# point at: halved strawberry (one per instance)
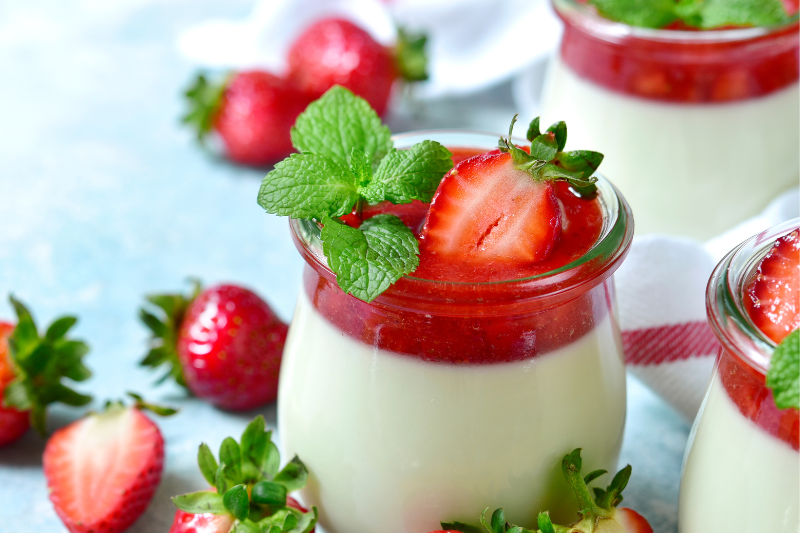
(773, 301)
(103, 470)
(486, 215)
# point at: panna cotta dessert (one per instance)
(702, 110)
(741, 472)
(463, 380)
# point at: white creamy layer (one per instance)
(686, 169)
(395, 444)
(736, 477)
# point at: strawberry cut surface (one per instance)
(773, 294)
(486, 220)
(103, 470)
(13, 423)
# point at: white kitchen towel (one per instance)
(661, 290)
(472, 44)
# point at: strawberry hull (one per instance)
(400, 387)
(659, 103)
(742, 467)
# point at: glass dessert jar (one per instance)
(741, 472)
(438, 399)
(685, 118)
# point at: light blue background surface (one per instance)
(104, 197)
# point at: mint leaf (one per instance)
(368, 260)
(308, 186)
(783, 376)
(715, 13)
(406, 175)
(338, 122)
(200, 502)
(642, 13)
(360, 166)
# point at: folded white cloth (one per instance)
(472, 44)
(661, 290)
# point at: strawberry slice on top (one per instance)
(497, 213)
(773, 295)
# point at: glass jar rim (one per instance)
(614, 31)
(727, 315)
(550, 287)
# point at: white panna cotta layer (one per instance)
(681, 166)
(736, 477)
(396, 444)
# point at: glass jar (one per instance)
(741, 472)
(700, 128)
(438, 399)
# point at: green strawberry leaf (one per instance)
(294, 475)
(368, 260)
(460, 526)
(220, 480)
(309, 186)
(230, 455)
(284, 519)
(245, 526)
(305, 521)
(200, 502)
(269, 493)
(412, 61)
(406, 175)
(594, 474)
(40, 363)
(533, 130)
(203, 98)
(254, 443)
(237, 502)
(208, 465)
(783, 376)
(338, 122)
(544, 147)
(559, 131)
(544, 523)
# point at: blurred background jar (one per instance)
(700, 128)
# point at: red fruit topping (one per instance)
(630, 521)
(773, 295)
(103, 470)
(486, 220)
(699, 70)
(230, 345)
(255, 114)
(337, 52)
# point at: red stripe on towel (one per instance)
(653, 346)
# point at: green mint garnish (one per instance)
(783, 376)
(547, 162)
(703, 14)
(347, 160)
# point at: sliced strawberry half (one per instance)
(773, 300)
(487, 215)
(103, 470)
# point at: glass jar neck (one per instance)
(725, 295)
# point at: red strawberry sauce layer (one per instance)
(670, 69)
(746, 387)
(477, 323)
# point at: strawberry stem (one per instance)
(571, 466)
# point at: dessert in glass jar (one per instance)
(741, 471)
(462, 383)
(714, 113)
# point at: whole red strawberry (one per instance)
(252, 112)
(103, 470)
(31, 370)
(224, 344)
(337, 52)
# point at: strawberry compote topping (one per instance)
(662, 65)
(424, 318)
(772, 301)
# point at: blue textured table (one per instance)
(103, 198)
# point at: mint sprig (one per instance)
(348, 160)
(783, 376)
(703, 14)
